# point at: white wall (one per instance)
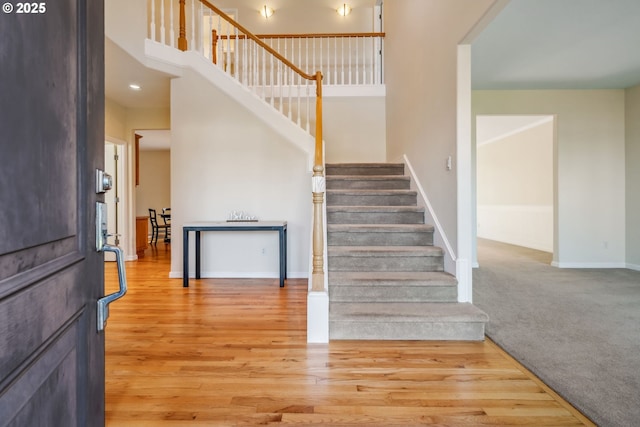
(590, 138)
(224, 159)
(632, 122)
(125, 24)
(302, 17)
(421, 77)
(354, 129)
(515, 188)
(154, 190)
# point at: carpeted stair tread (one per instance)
(364, 169)
(381, 228)
(398, 182)
(393, 278)
(368, 177)
(402, 312)
(390, 251)
(370, 192)
(381, 209)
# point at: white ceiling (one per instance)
(531, 44)
(121, 69)
(560, 44)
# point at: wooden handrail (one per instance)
(305, 36)
(248, 33)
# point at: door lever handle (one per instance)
(103, 303)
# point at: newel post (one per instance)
(318, 188)
(182, 38)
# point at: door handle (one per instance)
(103, 246)
(103, 303)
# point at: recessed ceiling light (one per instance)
(134, 86)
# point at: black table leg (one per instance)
(197, 254)
(283, 259)
(185, 258)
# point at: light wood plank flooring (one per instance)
(232, 352)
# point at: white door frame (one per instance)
(121, 189)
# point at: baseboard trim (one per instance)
(589, 264)
(635, 267)
(240, 275)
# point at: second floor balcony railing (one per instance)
(344, 59)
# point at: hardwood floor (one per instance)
(231, 352)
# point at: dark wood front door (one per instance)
(51, 142)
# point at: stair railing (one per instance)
(345, 59)
(270, 75)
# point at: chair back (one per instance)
(153, 217)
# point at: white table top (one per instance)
(235, 224)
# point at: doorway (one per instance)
(515, 180)
(114, 161)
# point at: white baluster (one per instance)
(308, 107)
(162, 28)
(152, 25)
(299, 94)
(342, 62)
(209, 37)
(172, 33)
(364, 60)
(280, 82)
(229, 66)
(289, 87)
(335, 60)
(193, 24)
(272, 78)
(264, 72)
(321, 55)
(350, 70)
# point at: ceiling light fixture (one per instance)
(266, 11)
(134, 86)
(344, 10)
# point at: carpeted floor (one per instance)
(577, 329)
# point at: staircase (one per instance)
(386, 279)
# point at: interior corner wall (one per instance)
(115, 117)
(632, 124)
(155, 182)
(590, 168)
(223, 159)
(421, 50)
(515, 188)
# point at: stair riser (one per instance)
(379, 239)
(385, 263)
(360, 170)
(375, 218)
(349, 184)
(462, 331)
(334, 199)
(392, 294)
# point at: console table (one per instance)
(199, 227)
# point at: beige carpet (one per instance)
(577, 329)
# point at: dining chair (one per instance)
(155, 227)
